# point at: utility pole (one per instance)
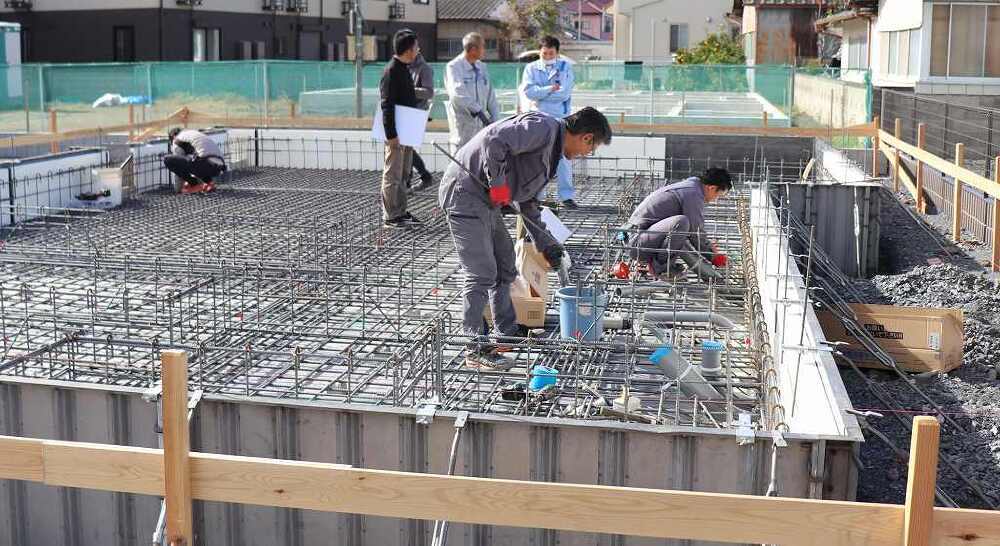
(357, 28)
(579, 20)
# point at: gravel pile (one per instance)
(970, 393)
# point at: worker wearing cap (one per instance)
(670, 225)
(194, 158)
(546, 86)
(472, 102)
(508, 162)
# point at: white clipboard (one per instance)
(555, 225)
(411, 125)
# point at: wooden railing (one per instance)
(181, 476)
(892, 145)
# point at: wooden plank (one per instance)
(21, 459)
(892, 154)
(956, 196)
(947, 167)
(919, 172)
(962, 527)
(875, 145)
(996, 217)
(898, 133)
(53, 130)
(131, 121)
(104, 467)
(918, 516)
(176, 447)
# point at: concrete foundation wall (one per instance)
(492, 446)
(829, 102)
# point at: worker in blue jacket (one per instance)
(546, 86)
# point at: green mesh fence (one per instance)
(717, 94)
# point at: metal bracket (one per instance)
(744, 429)
(425, 413)
(461, 418)
(778, 438)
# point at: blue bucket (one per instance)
(581, 316)
(541, 377)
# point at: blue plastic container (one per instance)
(581, 316)
(541, 377)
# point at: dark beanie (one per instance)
(403, 40)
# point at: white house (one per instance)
(653, 30)
(930, 47)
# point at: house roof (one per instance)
(588, 7)
(840, 17)
(789, 3)
(467, 9)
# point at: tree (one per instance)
(530, 20)
(718, 48)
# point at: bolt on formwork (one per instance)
(285, 285)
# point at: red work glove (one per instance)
(500, 195)
(720, 260)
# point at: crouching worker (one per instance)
(671, 231)
(507, 163)
(195, 159)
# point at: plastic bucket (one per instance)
(581, 316)
(541, 377)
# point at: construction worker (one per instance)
(396, 89)
(195, 159)
(472, 102)
(670, 224)
(507, 163)
(423, 83)
(546, 86)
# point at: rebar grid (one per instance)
(285, 285)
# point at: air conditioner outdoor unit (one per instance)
(397, 11)
(297, 6)
(345, 7)
(274, 5)
(17, 4)
(188, 2)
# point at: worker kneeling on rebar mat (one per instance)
(507, 164)
(669, 225)
(195, 159)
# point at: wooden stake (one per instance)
(53, 129)
(176, 448)
(897, 131)
(131, 121)
(621, 117)
(291, 109)
(918, 516)
(921, 142)
(956, 197)
(764, 118)
(996, 216)
(875, 157)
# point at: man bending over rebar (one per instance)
(195, 159)
(670, 225)
(507, 163)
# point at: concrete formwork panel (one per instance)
(492, 446)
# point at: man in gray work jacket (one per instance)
(509, 162)
(670, 225)
(472, 102)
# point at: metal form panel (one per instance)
(491, 446)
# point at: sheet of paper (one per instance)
(411, 124)
(555, 225)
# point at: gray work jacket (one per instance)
(522, 151)
(470, 91)
(687, 198)
(203, 145)
(423, 82)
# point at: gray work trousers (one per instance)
(395, 173)
(662, 242)
(486, 254)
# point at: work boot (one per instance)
(411, 219)
(487, 358)
(505, 342)
(674, 273)
(570, 204)
(395, 223)
(192, 188)
(426, 180)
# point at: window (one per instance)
(424, 2)
(586, 24)
(450, 47)
(678, 37)
(899, 53)
(609, 23)
(856, 55)
(964, 40)
(124, 44)
(205, 44)
(491, 44)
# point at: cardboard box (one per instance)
(920, 339)
(528, 305)
(532, 266)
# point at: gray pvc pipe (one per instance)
(689, 378)
(669, 317)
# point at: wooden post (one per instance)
(918, 516)
(897, 131)
(764, 118)
(176, 448)
(53, 129)
(996, 216)
(291, 108)
(956, 196)
(875, 141)
(131, 121)
(621, 117)
(921, 142)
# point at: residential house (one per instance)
(950, 50)
(456, 18)
(209, 30)
(653, 30)
(588, 28)
(780, 31)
